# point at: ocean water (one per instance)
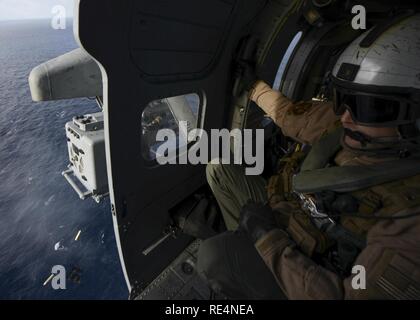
(38, 208)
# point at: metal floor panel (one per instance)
(179, 281)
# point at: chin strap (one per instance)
(358, 136)
(397, 146)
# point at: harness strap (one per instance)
(353, 178)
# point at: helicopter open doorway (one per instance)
(163, 50)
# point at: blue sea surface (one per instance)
(38, 208)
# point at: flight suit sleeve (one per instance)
(388, 268)
(304, 122)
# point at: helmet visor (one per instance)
(372, 109)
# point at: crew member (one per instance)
(346, 195)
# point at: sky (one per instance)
(32, 9)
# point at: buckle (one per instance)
(319, 218)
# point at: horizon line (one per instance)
(31, 19)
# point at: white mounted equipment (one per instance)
(86, 147)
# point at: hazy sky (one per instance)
(32, 9)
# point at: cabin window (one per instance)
(286, 58)
(168, 113)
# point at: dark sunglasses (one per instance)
(375, 109)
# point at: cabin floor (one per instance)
(199, 217)
(180, 281)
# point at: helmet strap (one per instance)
(393, 147)
(358, 136)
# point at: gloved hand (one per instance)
(256, 220)
(248, 74)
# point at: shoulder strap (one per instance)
(322, 152)
(353, 178)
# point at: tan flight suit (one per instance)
(391, 257)
(390, 254)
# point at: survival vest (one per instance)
(340, 204)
